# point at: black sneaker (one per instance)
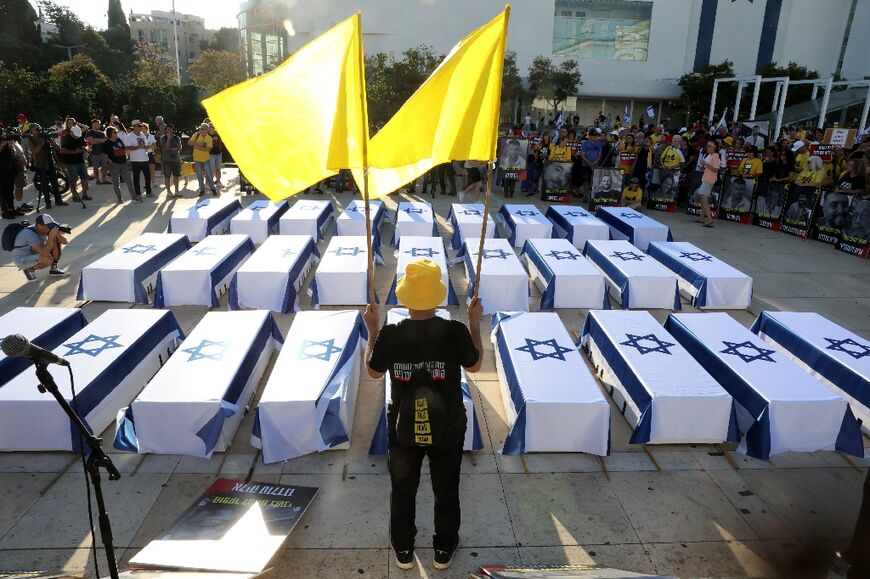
(55, 272)
(404, 559)
(60, 202)
(87, 197)
(25, 207)
(30, 275)
(214, 192)
(443, 559)
(201, 193)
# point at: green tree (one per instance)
(390, 82)
(698, 87)
(117, 34)
(796, 94)
(20, 41)
(216, 70)
(82, 90)
(153, 67)
(117, 19)
(554, 83)
(226, 39)
(513, 91)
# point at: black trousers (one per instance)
(141, 168)
(444, 466)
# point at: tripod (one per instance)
(96, 460)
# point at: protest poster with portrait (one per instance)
(662, 190)
(606, 187)
(626, 162)
(855, 237)
(737, 194)
(735, 158)
(512, 154)
(798, 210)
(556, 181)
(767, 205)
(694, 206)
(831, 216)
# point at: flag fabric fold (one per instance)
(452, 116)
(301, 122)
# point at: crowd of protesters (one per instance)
(80, 158)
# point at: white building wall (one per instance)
(856, 64)
(737, 34)
(811, 33)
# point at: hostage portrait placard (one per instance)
(737, 194)
(767, 206)
(855, 237)
(512, 156)
(694, 206)
(800, 204)
(606, 187)
(662, 190)
(556, 180)
(832, 216)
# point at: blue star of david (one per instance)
(635, 342)
(205, 251)
(201, 204)
(323, 350)
(531, 348)
(216, 353)
(413, 210)
(493, 254)
(695, 256)
(837, 346)
(106, 343)
(760, 353)
(567, 254)
(525, 213)
(308, 207)
(347, 251)
(471, 212)
(630, 215)
(256, 207)
(139, 248)
(575, 214)
(628, 256)
(288, 253)
(423, 252)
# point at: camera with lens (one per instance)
(63, 228)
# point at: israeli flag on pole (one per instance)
(559, 123)
(626, 116)
(723, 120)
(650, 112)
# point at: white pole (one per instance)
(863, 124)
(175, 35)
(815, 94)
(775, 135)
(824, 110)
(737, 101)
(713, 101)
(775, 105)
(755, 98)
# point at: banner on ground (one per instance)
(832, 215)
(737, 194)
(855, 237)
(800, 204)
(512, 157)
(767, 205)
(694, 205)
(662, 190)
(556, 181)
(606, 189)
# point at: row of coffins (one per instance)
(794, 382)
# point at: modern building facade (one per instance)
(156, 28)
(630, 52)
(264, 27)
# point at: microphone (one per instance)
(16, 346)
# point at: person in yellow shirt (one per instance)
(201, 142)
(672, 157)
(560, 152)
(814, 175)
(801, 154)
(656, 137)
(751, 166)
(632, 196)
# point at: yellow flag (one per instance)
(303, 121)
(452, 116)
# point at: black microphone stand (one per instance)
(96, 460)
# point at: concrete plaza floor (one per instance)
(675, 510)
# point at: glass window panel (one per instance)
(606, 30)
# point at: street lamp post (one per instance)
(175, 34)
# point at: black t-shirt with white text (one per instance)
(71, 143)
(439, 345)
(849, 183)
(116, 151)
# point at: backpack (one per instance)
(422, 413)
(10, 232)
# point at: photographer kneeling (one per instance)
(38, 247)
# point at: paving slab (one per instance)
(713, 559)
(20, 491)
(466, 560)
(632, 557)
(307, 563)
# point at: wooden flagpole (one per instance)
(365, 157)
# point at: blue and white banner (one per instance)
(112, 358)
(552, 402)
(504, 283)
(414, 218)
(194, 405)
(272, 277)
(352, 222)
(566, 279)
(413, 248)
(633, 226)
(307, 217)
(259, 220)
(341, 278)
(705, 280)
(661, 390)
(210, 216)
(833, 355)
(522, 222)
(46, 327)
(634, 279)
(576, 224)
(129, 273)
(203, 274)
(782, 408)
(473, 439)
(308, 403)
(467, 222)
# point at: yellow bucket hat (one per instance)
(421, 288)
